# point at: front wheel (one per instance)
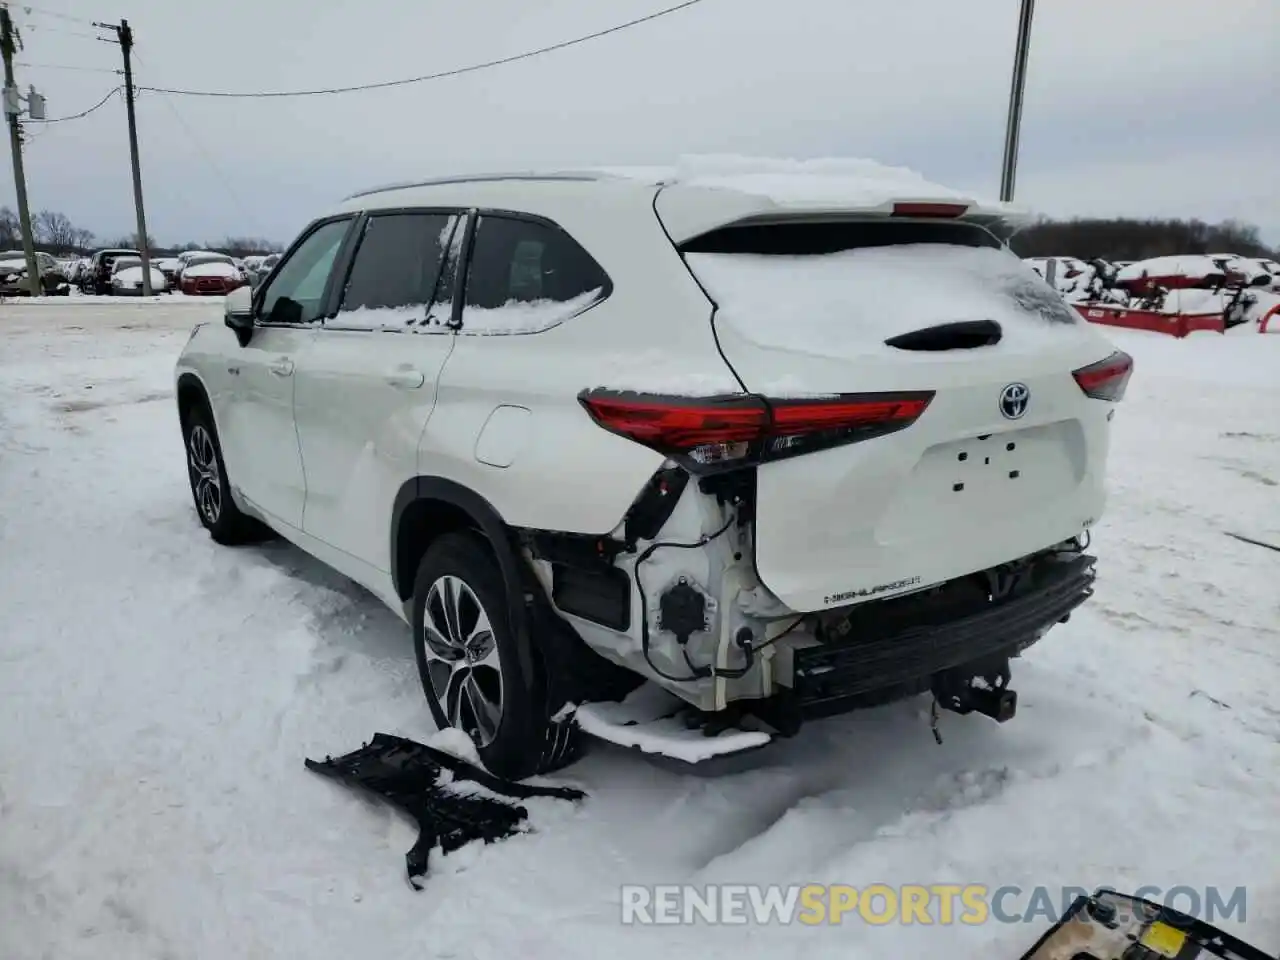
(209, 487)
(471, 669)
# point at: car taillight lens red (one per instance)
(1107, 379)
(713, 433)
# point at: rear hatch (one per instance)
(998, 448)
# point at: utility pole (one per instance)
(13, 107)
(1014, 124)
(124, 36)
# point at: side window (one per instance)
(296, 292)
(396, 272)
(525, 276)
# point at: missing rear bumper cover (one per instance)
(903, 643)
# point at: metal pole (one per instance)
(1014, 124)
(126, 44)
(15, 144)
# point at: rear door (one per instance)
(368, 385)
(1006, 458)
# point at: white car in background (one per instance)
(126, 278)
(742, 448)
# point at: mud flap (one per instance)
(1112, 926)
(423, 783)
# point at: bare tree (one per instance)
(130, 241)
(84, 239)
(1131, 239)
(55, 230)
(10, 231)
(244, 246)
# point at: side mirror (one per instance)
(239, 313)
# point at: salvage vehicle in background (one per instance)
(170, 267)
(210, 274)
(126, 278)
(678, 462)
(13, 275)
(97, 278)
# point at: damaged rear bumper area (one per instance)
(956, 640)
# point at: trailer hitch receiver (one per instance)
(977, 688)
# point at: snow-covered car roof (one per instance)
(199, 258)
(1191, 266)
(703, 193)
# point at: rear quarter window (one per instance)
(526, 276)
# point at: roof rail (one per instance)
(566, 175)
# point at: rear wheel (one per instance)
(209, 487)
(471, 670)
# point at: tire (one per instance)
(471, 652)
(210, 491)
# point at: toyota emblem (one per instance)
(1013, 400)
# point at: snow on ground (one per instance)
(158, 694)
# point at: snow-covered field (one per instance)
(158, 694)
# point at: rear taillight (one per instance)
(707, 434)
(1106, 379)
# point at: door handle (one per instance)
(407, 378)
(282, 367)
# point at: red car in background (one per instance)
(210, 275)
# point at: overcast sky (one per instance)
(1146, 107)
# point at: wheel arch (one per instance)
(426, 508)
(191, 393)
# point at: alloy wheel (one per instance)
(206, 482)
(462, 659)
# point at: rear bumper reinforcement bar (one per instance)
(825, 676)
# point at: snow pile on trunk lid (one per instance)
(848, 303)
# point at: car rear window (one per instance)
(847, 287)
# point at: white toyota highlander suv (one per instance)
(676, 459)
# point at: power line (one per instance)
(82, 113)
(27, 8)
(382, 85)
(207, 157)
(41, 31)
(63, 66)
(200, 148)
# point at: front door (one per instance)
(260, 442)
(367, 385)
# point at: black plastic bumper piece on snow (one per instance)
(899, 654)
(410, 776)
